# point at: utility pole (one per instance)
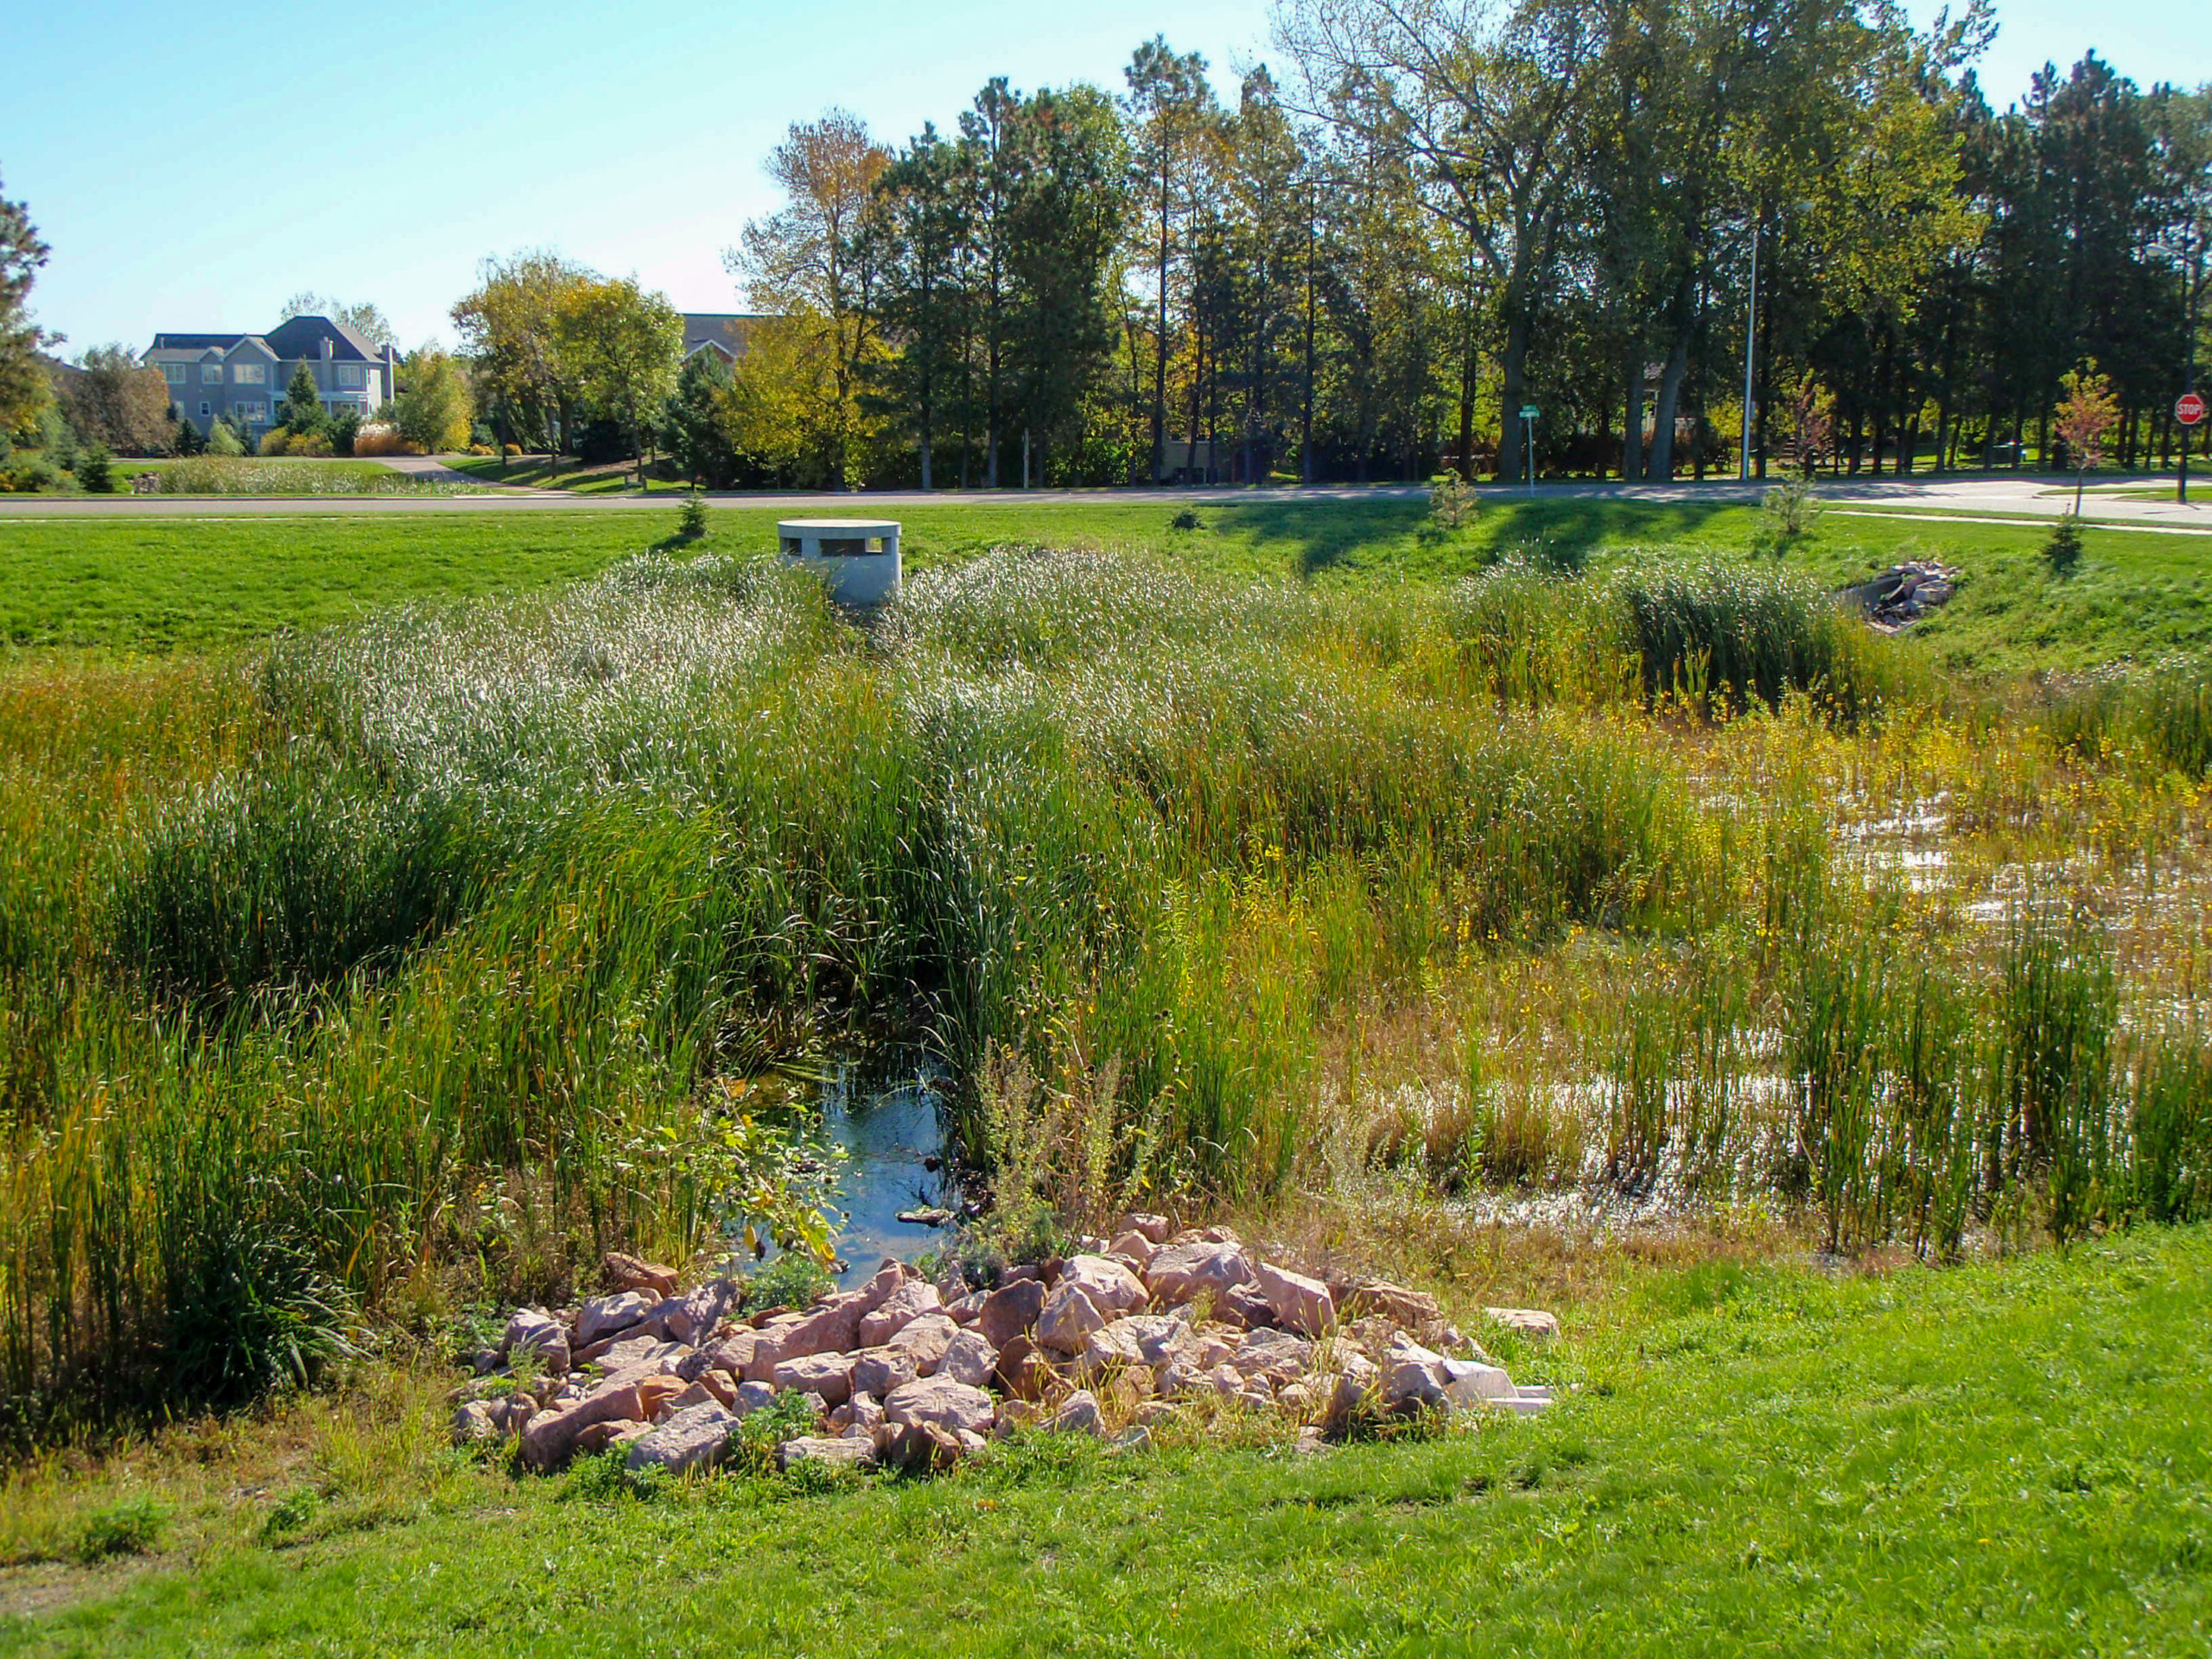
(2193, 284)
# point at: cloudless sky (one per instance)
(195, 165)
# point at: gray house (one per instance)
(245, 375)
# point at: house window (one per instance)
(204, 411)
(211, 374)
(174, 373)
(249, 374)
(251, 413)
(349, 377)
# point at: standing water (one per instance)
(887, 1126)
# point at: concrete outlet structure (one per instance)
(858, 557)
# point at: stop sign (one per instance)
(2189, 409)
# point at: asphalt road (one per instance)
(2000, 497)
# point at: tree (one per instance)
(696, 425)
(1172, 113)
(814, 263)
(24, 389)
(2085, 416)
(362, 318)
(509, 332)
(1480, 101)
(112, 398)
(301, 412)
(926, 239)
(432, 408)
(224, 439)
(624, 345)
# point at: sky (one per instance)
(192, 166)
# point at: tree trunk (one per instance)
(1632, 416)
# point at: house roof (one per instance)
(725, 331)
(295, 338)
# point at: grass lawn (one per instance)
(158, 584)
(1758, 1460)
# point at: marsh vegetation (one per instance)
(409, 964)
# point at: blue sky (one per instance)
(192, 166)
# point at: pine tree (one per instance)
(301, 412)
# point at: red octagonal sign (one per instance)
(2189, 409)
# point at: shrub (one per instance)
(692, 518)
(1451, 502)
(1186, 520)
(32, 472)
(1787, 513)
(793, 1280)
(753, 1447)
(511, 450)
(378, 439)
(275, 441)
(129, 1526)
(95, 469)
(2062, 549)
(223, 441)
(344, 429)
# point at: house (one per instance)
(726, 333)
(246, 376)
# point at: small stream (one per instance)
(887, 1122)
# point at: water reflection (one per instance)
(887, 1123)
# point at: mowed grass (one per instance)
(1755, 1460)
(160, 583)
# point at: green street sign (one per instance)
(1528, 411)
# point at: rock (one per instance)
(766, 1349)
(1133, 1246)
(751, 1397)
(696, 1437)
(1222, 1235)
(484, 1361)
(1112, 1348)
(1013, 1415)
(1243, 1307)
(606, 1316)
(1068, 1318)
(830, 1375)
(693, 1317)
(918, 1448)
(478, 1422)
(1079, 1415)
(1529, 1321)
(866, 1412)
(1297, 1399)
(1111, 1287)
(1011, 1311)
(927, 1339)
(1276, 1355)
(941, 1401)
(699, 1394)
(907, 1302)
(530, 1332)
(831, 1326)
(1154, 1413)
(1181, 1271)
(1309, 1441)
(1411, 1308)
(1412, 1378)
(1300, 1304)
(970, 1358)
(626, 1273)
(965, 1311)
(931, 1216)
(889, 1274)
(1350, 1390)
(1153, 1229)
(601, 1436)
(1468, 1384)
(879, 1371)
(550, 1440)
(835, 1453)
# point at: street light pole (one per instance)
(1751, 343)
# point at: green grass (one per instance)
(156, 584)
(1758, 1462)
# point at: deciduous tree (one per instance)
(624, 345)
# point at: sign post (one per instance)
(2188, 409)
(1528, 442)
